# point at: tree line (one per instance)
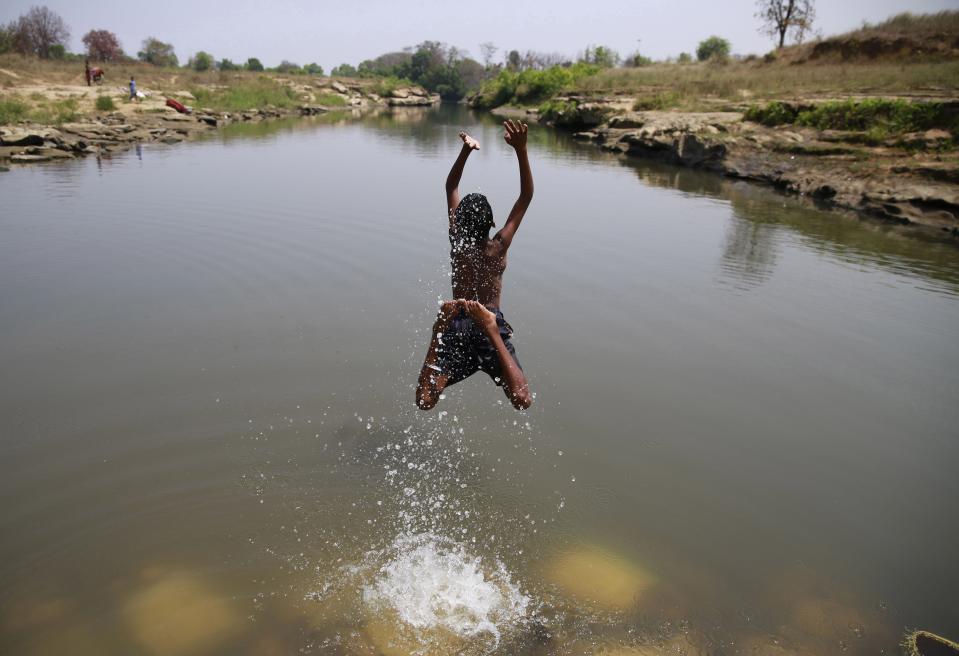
(438, 67)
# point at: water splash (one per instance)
(432, 583)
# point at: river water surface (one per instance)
(743, 439)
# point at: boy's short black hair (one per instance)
(473, 217)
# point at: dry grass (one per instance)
(704, 84)
(909, 24)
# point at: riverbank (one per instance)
(909, 178)
(46, 114)
(866, 121)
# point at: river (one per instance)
(743, 439)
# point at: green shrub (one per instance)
(105, 104)
(387, 85)
(774, 113)
(713, 47)
(554, 109)
(531, 85)
(684, 58)
(896, 116)
(877, 117)
(202, 61)
(56, 112)
(252, 94)
(331, 100)
(12, 109)
(661, 100)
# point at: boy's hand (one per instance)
(515, 134)
(469, 141)
(448, 309)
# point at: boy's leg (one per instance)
(432, 380)
(514, 380)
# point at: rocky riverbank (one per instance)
(912, 179)
(102, 133)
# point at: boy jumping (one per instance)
(470, 332)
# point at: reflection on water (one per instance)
(742, 439)
(749, 255)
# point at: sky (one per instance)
(330, 33)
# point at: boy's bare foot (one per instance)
(481, 316)
(469, 141)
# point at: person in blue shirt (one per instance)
(133, 89)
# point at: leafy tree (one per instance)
(713, 47)
(288, 67)
(344, 70)
(38, 30)
(684, 58)
(601, 56)
(228, 65)
(313, 69)
(201, 61)
(780, 17)
(158, 53)
(253, 64)
(102, 45)
(395, 64)
(8, 34)
(57, 51)
(513, 60)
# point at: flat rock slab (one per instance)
(28, 136)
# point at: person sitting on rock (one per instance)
(470, 332)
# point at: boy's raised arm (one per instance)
(515, 136)
(456, 172)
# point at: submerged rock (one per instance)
(592, 574)
(177, 613)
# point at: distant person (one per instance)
(87, 71)
(133, 88)
(470, 333)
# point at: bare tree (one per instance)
(780, 17)
(488, 50)
(39, 30)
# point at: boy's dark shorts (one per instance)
(464, 349)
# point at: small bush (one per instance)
(775, 113)
(202, 61)
(659, 101)
(331, 100)
(684, 58)
(56, 112)
(712, 48)
(105, 104)
(12, 109)
(387, 85)
(253, 94)
(893, 116)
(531, 85)
(877, 117)
(553, 109)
